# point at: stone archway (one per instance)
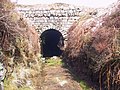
(51, 41)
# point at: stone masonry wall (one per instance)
(59, 17)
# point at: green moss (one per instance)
(84, 86)
(54, 62)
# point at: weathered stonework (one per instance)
(56, 16)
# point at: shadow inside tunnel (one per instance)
(51, 41)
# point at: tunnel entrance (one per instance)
(51, 42)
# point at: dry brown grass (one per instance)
(93, 44)
(19, 48)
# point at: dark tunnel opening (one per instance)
(51, 42)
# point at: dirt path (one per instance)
(58, 78)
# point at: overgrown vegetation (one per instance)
(9, 86)
(20, 52)
(93, 49)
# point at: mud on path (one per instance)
(55, 77)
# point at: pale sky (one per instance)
(89, 3)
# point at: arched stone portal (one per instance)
(51, 41)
